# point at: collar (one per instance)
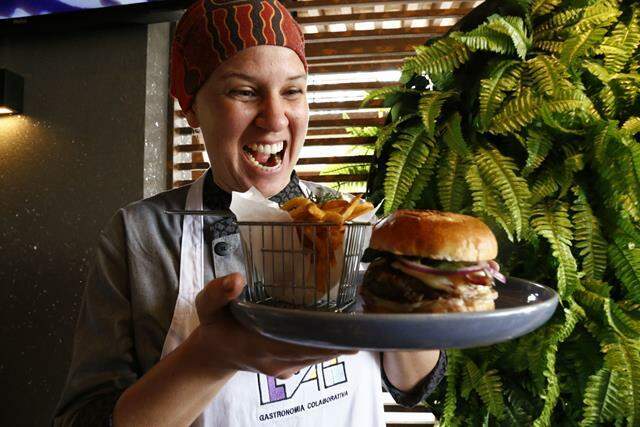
(214, 197)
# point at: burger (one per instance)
(430, 262)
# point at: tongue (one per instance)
(261, 157)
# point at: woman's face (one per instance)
(253, 114)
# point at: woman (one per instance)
(155, 344)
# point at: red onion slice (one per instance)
(491, 269)
(429, 270)
(497, 275)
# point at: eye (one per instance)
(243, 93)
(294, 92)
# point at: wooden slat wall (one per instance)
(345, 40)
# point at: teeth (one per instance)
(267, 148)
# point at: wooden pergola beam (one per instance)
(362, 47)
(315, 176)
(383, 16)
(349, 86)
(335, 160)
(339, 123)
(343, 68)
(348, 140)
(381, 33)
(357, 58)
(343, 105)
(296, 6)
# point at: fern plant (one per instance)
(533, 124)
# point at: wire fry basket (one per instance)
(304, 265)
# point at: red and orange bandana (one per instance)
(212, 31)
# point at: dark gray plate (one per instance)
(521, 307)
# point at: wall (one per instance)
(94, 123)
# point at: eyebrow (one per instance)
(251, 79)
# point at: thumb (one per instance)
(217, 294)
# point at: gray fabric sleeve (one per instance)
(423, 389)
(103, 362)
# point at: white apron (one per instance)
(344, 392)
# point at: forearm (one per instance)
(405, 369)
(174, 392)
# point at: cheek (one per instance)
(301, 120)
(228, 125)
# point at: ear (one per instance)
(192, 118)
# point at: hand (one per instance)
(228, 345)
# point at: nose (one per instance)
(272, 115)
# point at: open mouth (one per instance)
(266, 156)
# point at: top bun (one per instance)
(436, 235)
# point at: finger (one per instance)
(217, 294)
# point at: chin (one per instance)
(270, 186)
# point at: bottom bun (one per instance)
(375, 304)
(455, 305)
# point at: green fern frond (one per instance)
(624, 358)
(547, 74)
(445, 55)
(577, 46)
(538, 145)
(601, 72)
(627, 87)
(453, 136)
(596, 15)
(552, 223)
(544, 186)
(632, 126)
(621, 322)
(451, 182)
(618, 164)
(387, 131)
(429, 107)
(512, 26)
(550, 46)
(542, 7)
(485, 38)
(569, 99)
(411, 150)
(384, 92)
(624, 254)
(551, 394)
(623, 41)
(604, 398)
(608, 101)
(501, 173)
(593, 297)
(486, 202)
(558, 21)
(589, 241)
(454, 361)
(490, 390)
(517, 113)
(493, 90)
(423, 177)
(472, 377)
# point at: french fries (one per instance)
(302, 209)
(324, 241)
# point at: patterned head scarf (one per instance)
(212, 31)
